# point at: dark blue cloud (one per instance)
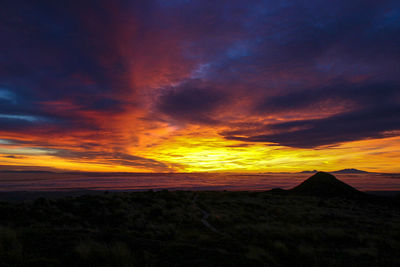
(351, 126)
(191, 102)
(359, 96)
(374, 110)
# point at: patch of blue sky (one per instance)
(173, 2)
(390, 19)
(29, 118)
(239, 50)
(7, 95)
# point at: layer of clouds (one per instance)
(112, 158)
(350, 126)
(75, 67)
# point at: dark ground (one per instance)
(183, 228)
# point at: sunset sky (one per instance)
(192, 86)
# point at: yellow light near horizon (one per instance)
(217, 154)
(212, 153)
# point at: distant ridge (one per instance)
(323, 184)
(350, 171)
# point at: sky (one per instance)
(200, 86)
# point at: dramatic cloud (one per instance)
(143, 83)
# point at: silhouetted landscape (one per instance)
(321, 222)
(199, 133)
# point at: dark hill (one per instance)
(323, 184)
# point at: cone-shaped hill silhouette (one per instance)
(323, 184)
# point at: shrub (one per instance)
(10, 247)
(99, 254)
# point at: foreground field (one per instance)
(199, 229)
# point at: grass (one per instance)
(165, 229)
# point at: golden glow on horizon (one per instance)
(217, 154)
(204, 151)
